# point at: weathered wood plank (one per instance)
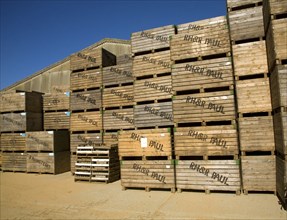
(56, 101)
(118, 74)
(86, 121)
(56, 120)
(118, 96)
(280, 132)
(13, 142)
(86, 79)
(119, 119)
(89, 139)
(91, 99)
(14, 162)
(281, 180)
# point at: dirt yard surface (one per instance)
(31, 196)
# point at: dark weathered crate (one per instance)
(118, 96)
(86, 79)
(56, 120)
(14, 162)
(148, 174)
(24, 121)
(91, 99)
(56, 101)
(118, 74)
(221, 175)
(147, 142)
(13, 142)
(280, 132)
(119, 119)
(281, 180)
(239, 3)
(86, 121)
(279, 86)
(90, 139)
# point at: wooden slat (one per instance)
(56, 101)
(14, 161)
(56, 120)
(280, 132)
(124, 59)
(281, 180)
(86, 79)
(73, 161)
(118, 74)
(13, 142)
(91, 99)
(110, 138)
(118, 96)
(236, 3)
(119, 119)
(86, 121)
(90, 139)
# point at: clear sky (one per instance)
(38, 33)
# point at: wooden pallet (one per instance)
(91, 139)
(118, 74)
(220, 175)
(253, 95)
(56, 120)
(118, 96)
(13, 142)
(86, 121)
(250, 137)
(118, 119)
(14, 162)
(86, 79)
(280, 132)
(148, 174)
(258, 173)
(281, 180)
(56, 101)
(206, 140)
(152, 39)
(201, 38)
(91, 99)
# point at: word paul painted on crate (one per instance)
(156, 62)
(86, 99)
(162, 114)
(86, 119)
(121, 72)
(123, 117)
(201, 40)
(87, 57)
(154, 37)
(147, 172)
(204, 72)
(120, 94)
(87, 141)
(201, 103)
(204, 137)
(154, 144)
(156, 86)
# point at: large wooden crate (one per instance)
(219, 175)
(239, 3)
(14, 162)
(201, 38)
(153, 89)
(148, 174)
(280, 132)
(21, 102)
(119, 119)
(151, 64)
(24, 121)
(56, 101)
(152, 39)
(118, 74)
(258, 173)
(206, 140)
(273, 8)
(246, 23)
(203, 107)
(52, 141)
(118, 96)
(90, 139)
(151, 115)
(253, 95)
(53, 163)
(91, 99)
(13, 142)
(147, 142)
(281, 180)
(86, 80)
(86, 121)
(250, 58)
(207, 73)
(56, 120)
(256, 134)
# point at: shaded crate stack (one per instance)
(152, 72)
(96, 164)
(146, 159)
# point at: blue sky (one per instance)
(38, 33)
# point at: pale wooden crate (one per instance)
(151, 64)
(185, 79)
(86, 121)
(86, 79)
(251, 139)
(14, 162)
(110, 138)
(280, 132)
(185, 112)
(21, 102)
(56, 120)
(73, 162)
(119, 74)
(118, 119)
(281, 180)
(144, 118)
(214, 28)
(84, 100)
(88, 139)
(219, 175)
(118, 96)
(272, 8)
(56, 101)
(250, 58)
(236, 3)
(253, 95)
(218, 140)
(153, 89)
(158, 143)
(24, 121)
(159, 38)
(13, 142)
(159, 174)
(52, 141)
(258, 173)
(52, 163)
(246, 23)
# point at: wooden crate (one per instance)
(152, 39)
(281, 180)
(250, 58)
(280, 132)
(201, 38)
(272, 8)
(203, 107)
(21, 102)
(53, 163)
(147, 142)
(152, 115)
(246, 23)
(151, 64)
(124, 58)
(90, 139)
(119, 119)
(91, 99)
(13, 142)
(14, 162)
(256, 134)
(56, 101)
(86, 121)
(206, 140)
(86, 80)
(118, 96)
(153, 89)
(221, 175)
(56, 120)
(52, 141)
(258, 173)
(148, 174)
(207, 73)
(110, 138)
(24, 121)
(73, 162)
(253, 95)
(118, 74)
(236, 3)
